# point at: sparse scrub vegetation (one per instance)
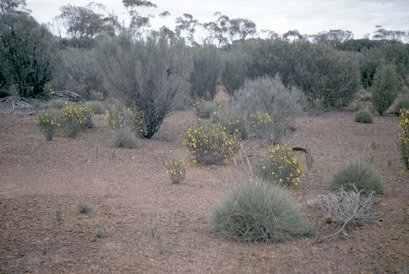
(209, 143)
(56, 103)
(204, 109)
(257, 212)
(359, 174)
(279, 165)
(363, 116)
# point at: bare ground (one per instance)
(153, 226)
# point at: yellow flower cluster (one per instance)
(260, 123)
(96, 95)
(116, 117)
(404, 136)
(176, 170)
(279, 164)
(49, 121)
(197, 103)
(75, 118)
(209, 143)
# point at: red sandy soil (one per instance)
(153, 226)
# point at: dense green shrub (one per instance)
(28, 53)
(384, 88)
(404, 137)
(234, 71)
(145, 74)
(268, 95)
(319, 70)
(125, 137)
(255, 212)
(96, 106)
(401, 105)
(363, 116)
(359, 173)
(206, 71)
(80, 73)
(279, 165)
(209, 143)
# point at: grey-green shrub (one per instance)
(96, 106)
(84, 208)
(145, 74)
(402, 104)
(205, 109)
(124, 137)
(268, 95)
(256, 212)
(359, 173)
(385, 87)
(206, 70)
(56, 103)
(363, 116)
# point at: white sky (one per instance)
(307, 16)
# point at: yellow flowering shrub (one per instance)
(279, 164)
(75, 117)
(117, 117)
(262, 125)
(176, 170)
(96, 95)
(49, 121)
(404, 137)
(209, 143)
(235, 124)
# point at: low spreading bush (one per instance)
(256, 212)
(124, 137)
(401, 105)
(96, 106)
(209, 143)
(176, 170)
(357, 173)
(279, 165)
(363, 116)
(404, 137)
(56, 103)
(49, 121)
(74, 118)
